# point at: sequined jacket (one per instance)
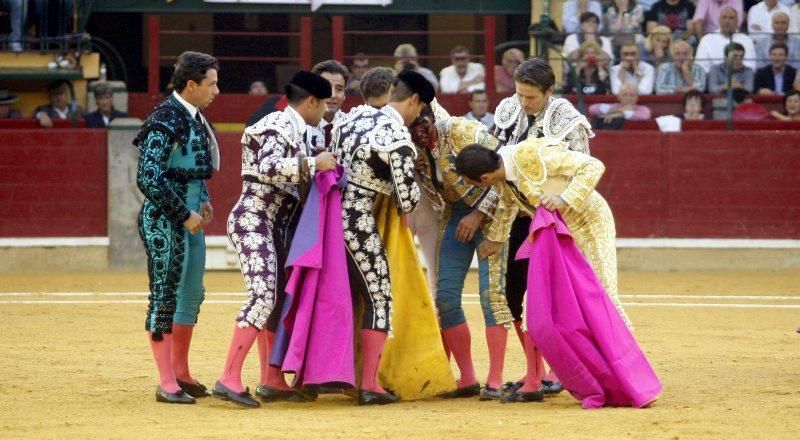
(560, 121)
(315, 135)
(376, 149)
(274, 152)
(174, 150)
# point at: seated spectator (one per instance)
(777, 77)
(625, 109)
(791, 107)
(6, 99)
(742, 75)
(624, 20)
(258, 87)
(693, 106)
(359, 68)
(711, 47)
(707, 15)
(405, 57)
(59, 106)
(745, 109)
(763, 42)
(504, 74)
(573, 9)
(479, 108)
(759, 17)
(591, 71)
(682, 74)
(589, 28)
(676, 15)
(375, 85)
(105, 113)
(656, 48)
(631, 70)
(462, 76)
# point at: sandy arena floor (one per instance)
(80, 367)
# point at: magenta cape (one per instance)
(315, 335)
(575, 326)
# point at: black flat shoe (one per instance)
(489, 393)
(552, 387)
(269, 394)
(179, 397)
(510, 387)
(524, 397)
(244, 398)
(468, 391)
(373, 398)
(196, 390)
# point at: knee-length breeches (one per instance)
(367, 265)
(175, 264)
(260, 227)
(454, 261)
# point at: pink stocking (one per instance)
(533, 378)
(496, 338)
(274, 377)
(520, 333)
(372, 342)
(446, 348)
(181, 340)
(161, 354)
(263, 356)
(241, 342)
(459, 341)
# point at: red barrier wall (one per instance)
(53, 183)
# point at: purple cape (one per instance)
(575, 326)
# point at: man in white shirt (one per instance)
(711, 49)
(631, 70)
(59, 107)
(318, 137)
(759, 17)
(479, 108)
(572, 12)
(462, 76)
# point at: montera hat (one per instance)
(418, 84)
(312, 83)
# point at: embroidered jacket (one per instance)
(559, 121)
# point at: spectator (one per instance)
(258, 87)
(794, 18)
(375, 85)
(711, 47)
(631, 70)
(405, 56)
(590, 24)
(105, 113)
(674, 14)
(742, 77)
(759, 17)
(17, 19)
(624, 20)
(591, 71)
(462, 76)
(763, 42)
(504, 74)
(777, 77)
(745, 109)
(693, 106)
(6, 99)
(656, 48)
(682, 74)
(791, 107)
(573, 9)
(707, 15)
(626, 108)
(479, 109)
(360, 67)
(59, 107)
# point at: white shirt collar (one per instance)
(390, 111)
(189, 107)
(507, 154)
(301, 123)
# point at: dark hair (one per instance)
(331, 66)
(295, 95)
(536, 72)
(400, 91)
(475, 160)
(733, 46)
(786, 97)
(693, 94)
(779, 45)
(739, 95)
(586, 16)
(376, 82)
(57, 86)
(476, 92)
(192, 66)
(458, 49)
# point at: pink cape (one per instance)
(315, 335)
(575, 326)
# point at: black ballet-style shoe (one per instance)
(373, 398)
(467, 391)
(196, 390)
(510, 387)
(489, 393)
(179, 397)
(552, 387)
(524, 397)
(270, 394)
(244, 398)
